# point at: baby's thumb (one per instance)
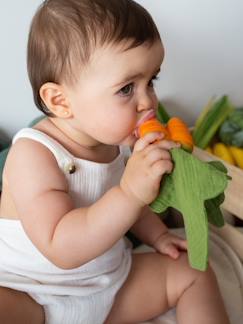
(172, 251)
(146, 140)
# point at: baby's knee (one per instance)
(206, 277)
(192, 275)
(181, 277)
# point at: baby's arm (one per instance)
(68, 236)
(149, 227)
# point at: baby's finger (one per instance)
(161, 167)
(157, 154)
(148, 139)
(168, 145)
(172, 251)
(182, 244)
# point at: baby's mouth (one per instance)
(149, 115)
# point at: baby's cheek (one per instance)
(125, 128)
(125, 134)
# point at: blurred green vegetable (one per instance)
(162, 114)
(231, 131)
(210, 119)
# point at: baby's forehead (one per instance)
(124, 51)
(117, 60)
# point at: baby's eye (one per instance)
(151, 82)
(127, 90)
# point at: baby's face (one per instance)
(114, 91)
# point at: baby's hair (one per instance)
(64, 33)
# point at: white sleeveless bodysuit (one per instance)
(83, 295)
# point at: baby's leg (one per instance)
(19, 308)
(157, 283)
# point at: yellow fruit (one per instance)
(223, 152)
(209, 149)
(237, 153)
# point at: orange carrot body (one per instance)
(179, 132)
(175, 130)
(152, 125)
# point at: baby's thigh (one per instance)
(154, 285)
(19, 308)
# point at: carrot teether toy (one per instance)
(195, 188)
(152, 125)
(175, 130)
(179, 132)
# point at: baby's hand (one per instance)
(145, 168)
(170, 244)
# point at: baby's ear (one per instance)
(55, 99)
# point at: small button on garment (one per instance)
(70, 168)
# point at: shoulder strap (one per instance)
(64, 159)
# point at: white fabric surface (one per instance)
(229, 272)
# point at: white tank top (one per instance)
(91, 179)
(20, 257)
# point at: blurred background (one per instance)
(203, 42)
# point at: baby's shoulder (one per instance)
(30, 161)
(26, 151)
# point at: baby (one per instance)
(69, 196)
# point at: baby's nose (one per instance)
(145, 102)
